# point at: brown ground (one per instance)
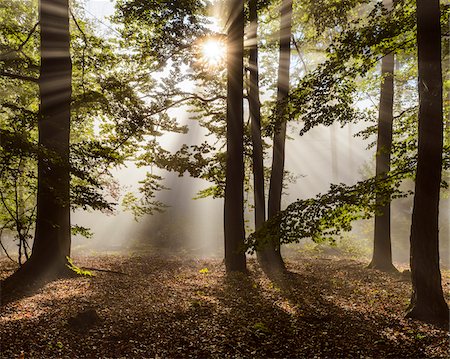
(170, 307)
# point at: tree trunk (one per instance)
(52, 239)
(234, 190)
(350, 160)
(445, 203)
(382, 251)
(334, 154)
(255, 115)
(271, 252)
(427, 300)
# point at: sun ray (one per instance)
(213, 52)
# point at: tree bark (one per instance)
(234, 190)
(382, 250)
(271, 252)
(255, 116)
(427, 300)
(52, 237)
(350, 160)
(52, 240)
(334, 154)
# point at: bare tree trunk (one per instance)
(234, 191)
(334, 154)
(382, 251)
(427, 300)
(350, 162)
(52, 237)
(255, 115)
(272, 252)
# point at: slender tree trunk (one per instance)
(234, 191)
(334, 154)
(52, 237)
(382, 251)
(350, 161)
(272, 252)
(255, 115)
(445, 203)
(427, 300)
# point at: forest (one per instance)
(224, 179)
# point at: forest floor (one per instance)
(325, 307)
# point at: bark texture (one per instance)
(52, 237)
(271, 254)
(334, 154)
(52, 240)
(427, 300)
(234, 190)
(255, 116)
(382, 251)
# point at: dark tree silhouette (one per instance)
(382, 251)
(255, 115)
(427, 300)
(52, 237)
(272, 254)
(234, 190)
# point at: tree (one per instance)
(327, 95)
(427, 300)
(382, 252)
(35, 171)
(52, 239)
(234, 191)
(51, 245)
(272, 254)
(255, 116)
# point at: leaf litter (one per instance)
(189, 308)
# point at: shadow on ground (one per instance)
(172, 307)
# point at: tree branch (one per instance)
(19, 77)
(3, 56)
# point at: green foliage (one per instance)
(327, 14)
(120, 108)
(328, 215)
(146, 204)
(109, 125)
(161, 30)
(326, 95)
(78, 270)
(81, 231)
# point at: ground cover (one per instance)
(177, 307)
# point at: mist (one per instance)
(322, 156)
(194, 227)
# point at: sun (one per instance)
(213, 52)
